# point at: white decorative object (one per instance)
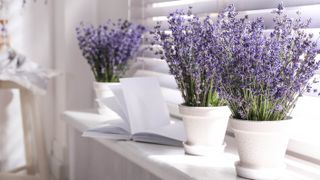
(103, 90)
(205, 129)
(261, 147)
(17, 68)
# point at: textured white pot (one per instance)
(261, 147)
(103, 90)
(205, 129)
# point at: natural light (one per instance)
(159, 89)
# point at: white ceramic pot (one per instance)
(205, 129)
(261, 147)
(103, 90)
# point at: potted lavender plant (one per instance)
(188, 52)
(262, 76)
(108, 49)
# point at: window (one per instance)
(304, 140)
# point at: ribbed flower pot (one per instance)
(205, 129)
(103, 90)
(261, 146)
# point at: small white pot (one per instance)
(103, 90)
(205, 129)
(261, 146)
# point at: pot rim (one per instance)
(104, 85)
(100, 83)
(288, 118)
(201, 107)
(191, 111)
(249, 126)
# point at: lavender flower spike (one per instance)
(188, 51)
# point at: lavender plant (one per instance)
(187, 51)
(109, 47)
(263, 74)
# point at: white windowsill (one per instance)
(305, 147)
(169, 162)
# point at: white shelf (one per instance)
(168, 162)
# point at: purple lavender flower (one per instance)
(188, 51)
(263, 74)
(108, 47)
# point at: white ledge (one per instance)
(167, 162)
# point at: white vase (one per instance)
(261, 146)
(205, 129)
(103, 90)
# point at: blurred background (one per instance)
(45, 33)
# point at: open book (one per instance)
(143, 115)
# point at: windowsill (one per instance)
(300, 146)
(168, 162)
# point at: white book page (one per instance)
(99, 135)
(173, 130)
(112, 129)
(118, 94)
(146, 106)
(155, 139)
(113, 104)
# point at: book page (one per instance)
(113, 104)
(118, 94)
(155, 139)
(113, 129)
(174, 130)
(170, 134)
(145, 104)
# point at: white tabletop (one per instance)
(169, 162)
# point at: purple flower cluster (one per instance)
(108, 47)
(188, 52)
(262, 74)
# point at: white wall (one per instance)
(79, 77)
(74, 87)
(112, 9)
